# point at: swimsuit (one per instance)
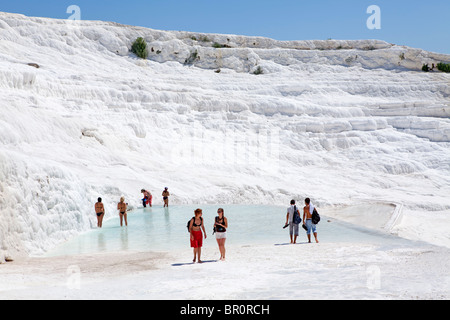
(122, 206)
(197, 235)
(197, 225)
(99, 214)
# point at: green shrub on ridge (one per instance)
(139, 48)
(444, 67)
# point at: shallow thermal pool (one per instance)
(164, 229)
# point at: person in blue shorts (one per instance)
(307, 219)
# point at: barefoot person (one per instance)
(165, 195)
(122, 207)
(307, 219)
(195, 229)
(292, 222)
(100, 211)
(147, 198)
(220, 227)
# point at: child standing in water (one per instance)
(195, 229)
(122, 207)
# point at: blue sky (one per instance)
(419, 24)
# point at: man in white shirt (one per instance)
(293, 227)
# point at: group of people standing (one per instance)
(148, 197)
(100, 211)
(196, 225)
(293, 220)
(122, 206)
(195, 228)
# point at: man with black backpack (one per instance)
(310, 218)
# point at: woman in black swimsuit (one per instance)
(166, 195)
(100, 211)
(122, 207)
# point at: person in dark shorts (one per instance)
(165, 195)
(100, 212)
(122, 207)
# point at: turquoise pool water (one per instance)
(164, 229)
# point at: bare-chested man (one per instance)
(100, 211)
(165, 195)
(307, 219)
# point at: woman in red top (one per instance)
(147, 198)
